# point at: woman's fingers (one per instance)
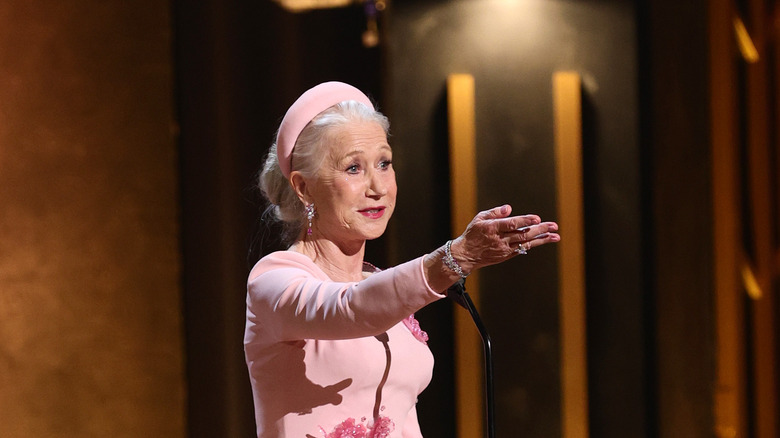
(494, 213)
(524, 245)
(515, 223)
(530, 231)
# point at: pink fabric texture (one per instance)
(312, 102)
(328, 358)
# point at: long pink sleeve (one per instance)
(291, 299)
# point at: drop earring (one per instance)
(309, 216)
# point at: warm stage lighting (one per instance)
(306, 5)
(744, 42)
(372, 9)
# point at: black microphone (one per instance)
(456, 293)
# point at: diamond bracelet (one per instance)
(450, 261)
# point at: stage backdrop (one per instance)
(90, 298)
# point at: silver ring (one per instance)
(521, 249)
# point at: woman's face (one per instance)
(354, 192)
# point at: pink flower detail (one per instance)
(349, 428)
(382, 428)
(414, 326)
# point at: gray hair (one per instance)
(307, 158)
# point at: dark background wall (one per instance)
(676, 141)
(512, 49)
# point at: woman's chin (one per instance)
(375, 232)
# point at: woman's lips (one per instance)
(373, 212)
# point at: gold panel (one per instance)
(759, 158)
(730, 399)
(469, 410)
(571, 253)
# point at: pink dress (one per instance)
(332, 360)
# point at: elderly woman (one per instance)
(331, 342)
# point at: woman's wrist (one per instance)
(459, 255)
(438, 274)
(451, 262)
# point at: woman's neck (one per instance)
(339, 262)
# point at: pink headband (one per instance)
(305, 109)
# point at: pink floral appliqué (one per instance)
(414, 326)
(350, 428)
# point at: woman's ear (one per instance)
(298, 183)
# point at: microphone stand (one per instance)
(458, 293)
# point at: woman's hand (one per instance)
(493, 237)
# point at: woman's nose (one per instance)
(376, 184)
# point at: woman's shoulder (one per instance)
(282, 260)
(285, 257)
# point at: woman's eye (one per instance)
(385, 164)
(353, 169)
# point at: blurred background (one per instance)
(131, 133)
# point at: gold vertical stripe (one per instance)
(571, 253)
(776, 135)
(760, 203)
(463, 194)
(730, 409)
